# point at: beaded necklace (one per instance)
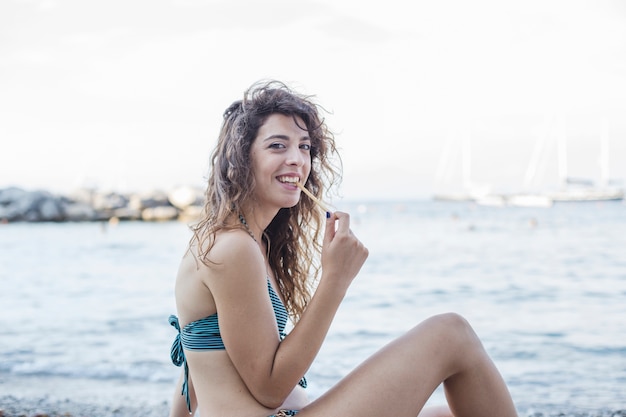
(267, 254)
(245, 224)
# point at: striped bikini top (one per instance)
(204, 334)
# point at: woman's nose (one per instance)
(295, 156)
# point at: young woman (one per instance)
(251, 263)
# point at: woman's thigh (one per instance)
(398, 379)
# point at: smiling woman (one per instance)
(252, 262)
(282, 154)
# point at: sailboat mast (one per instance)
(562, 152)
(466, 162)
(604, 153)
(538, 152)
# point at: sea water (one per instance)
(85, 305)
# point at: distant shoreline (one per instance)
(87, 205)
(183, 203)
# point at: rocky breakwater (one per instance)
(19, 205)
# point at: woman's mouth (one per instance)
(288, 179)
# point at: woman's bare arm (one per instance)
(270, 368)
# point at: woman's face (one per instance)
(281, 156)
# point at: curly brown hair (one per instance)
(295, 232)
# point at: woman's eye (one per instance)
(277, 145)
(305, 146)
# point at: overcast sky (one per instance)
(128, 95)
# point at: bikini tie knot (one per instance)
(178, 358)
(177, 354)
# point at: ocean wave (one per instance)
(139, 371)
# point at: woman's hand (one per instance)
(343, 254)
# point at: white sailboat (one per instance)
(446, 169)
(581, 190)
(538, 162)
(530, 200)
(568, 189)
(458, 148)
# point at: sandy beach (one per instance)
(11, 406)
(115, 398)
(82, 398)
(31, 407)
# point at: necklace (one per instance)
(266, 256)
(245, 224)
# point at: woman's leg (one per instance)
(399, 379)
(437, 411)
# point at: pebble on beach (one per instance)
(11, 406)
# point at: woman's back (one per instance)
(216, 381)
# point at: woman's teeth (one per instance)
(290, 180)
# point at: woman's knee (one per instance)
(452, 320)
(454, 330)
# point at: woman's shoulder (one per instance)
(236, 263)
(231, 247)
(232, 257)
